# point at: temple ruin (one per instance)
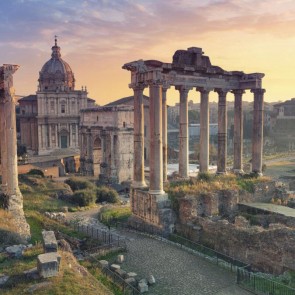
(189, 70)
(10, 189)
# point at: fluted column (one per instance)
(204, 129)
(222, 131)
(164, 131)
(183, 131)
(238, 131)
(257, 133)
(156, 149)
(138, 163)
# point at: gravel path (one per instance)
(176, 271)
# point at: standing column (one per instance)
(138, 162)
(222, 132)
(183, 131)
(204, 130)
(56, 135)
(49, 136)
(257, 133)
(3, 141)
(156, 150)
(71, 134)
(164, 132)
(238, 131)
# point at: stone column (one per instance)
(71, 134)
(222, 132)
(238, 131)
(183, 131)
(14, 202)
(156, 149)
(204, 129)
(56, 136)
(138, 166)
(50, 137)
(257, 133)
(3, 141)
(164, 132)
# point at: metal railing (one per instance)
(126, 288)
(214, 256)
(106, 237)
(260, 285)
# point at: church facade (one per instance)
(49, 120)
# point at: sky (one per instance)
(98, 36)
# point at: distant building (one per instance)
(49, 120)
(107, 143)
(285, 110)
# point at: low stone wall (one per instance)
(269, 250)
(151, 210)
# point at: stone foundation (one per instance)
(151, 212)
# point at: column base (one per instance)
(156, 192)
(238, 171)
(139, 184)
(258, 173)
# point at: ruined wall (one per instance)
(269, 250)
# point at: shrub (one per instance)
(205, 176)
(83, 197)
(36, 172)
(105, 194)
(77, 183)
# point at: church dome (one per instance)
(56, 74)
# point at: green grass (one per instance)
(114, 213)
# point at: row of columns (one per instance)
(158, 133)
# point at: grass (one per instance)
(113, 213)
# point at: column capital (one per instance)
(154, 82)
(138, 86)
(221, 91)
(183, 88)
(7, 92)
(238, 91)
(166, 86)
(258, 91)
(204, 89)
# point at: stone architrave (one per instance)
(257, 134)
(138, 168)
(222, 131)
(183, 131)
(10, 186)
(238, 131)
(204, 129)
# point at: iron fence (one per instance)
(126, 288)
(106, 237)
(261, 285)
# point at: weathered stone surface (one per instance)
(131, 281)
(3, 279)
(49, 241)
(241, 221)
(16, 250)
(131, 275)
(120, 258)
(32, 273)
(151, 279)
(104, 263)
(48, 264)
(121, 272)
(143, 287)
(115, 267)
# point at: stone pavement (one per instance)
(176, 271)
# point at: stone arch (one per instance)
(97, 155)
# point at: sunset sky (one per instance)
(98, 36)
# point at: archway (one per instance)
(97, 156)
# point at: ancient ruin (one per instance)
(10, 188)
(106, 143)
(190, 69)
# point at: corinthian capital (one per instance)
(138, 86)
(6, 82)
(183, 88)
(258, 91)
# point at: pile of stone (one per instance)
(130, 278)
(49, 262)
(17, 250)
(59, 216)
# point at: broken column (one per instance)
(14, 198)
